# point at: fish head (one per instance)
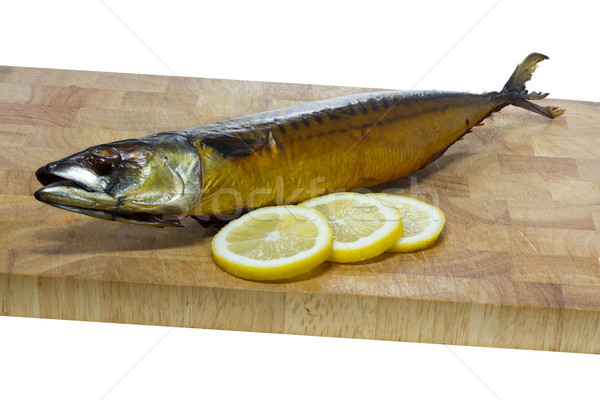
(148, 181)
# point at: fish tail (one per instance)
(518, 94)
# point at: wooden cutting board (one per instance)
(516, 266)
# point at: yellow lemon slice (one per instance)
(273, 243)
(362, 226)
(422, 222)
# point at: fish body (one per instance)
(275, 157)
(344, 143)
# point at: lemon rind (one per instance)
(377, 244)
(287, 267)
(423, 239)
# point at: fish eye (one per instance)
(103, 161)
(102, 166)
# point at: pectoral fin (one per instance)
(235, 146)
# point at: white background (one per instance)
(441, 45)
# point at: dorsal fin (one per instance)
(235, 145)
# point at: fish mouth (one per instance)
(78, 190)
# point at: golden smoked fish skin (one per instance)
(358, 141)
(281, 156)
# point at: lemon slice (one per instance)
(273, 243)
(362, 226)
(422, 222)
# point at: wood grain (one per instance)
(518, 264)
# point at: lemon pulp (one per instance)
(273, 243)
(422, 222)
(362, 227)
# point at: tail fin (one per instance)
(515, 88)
